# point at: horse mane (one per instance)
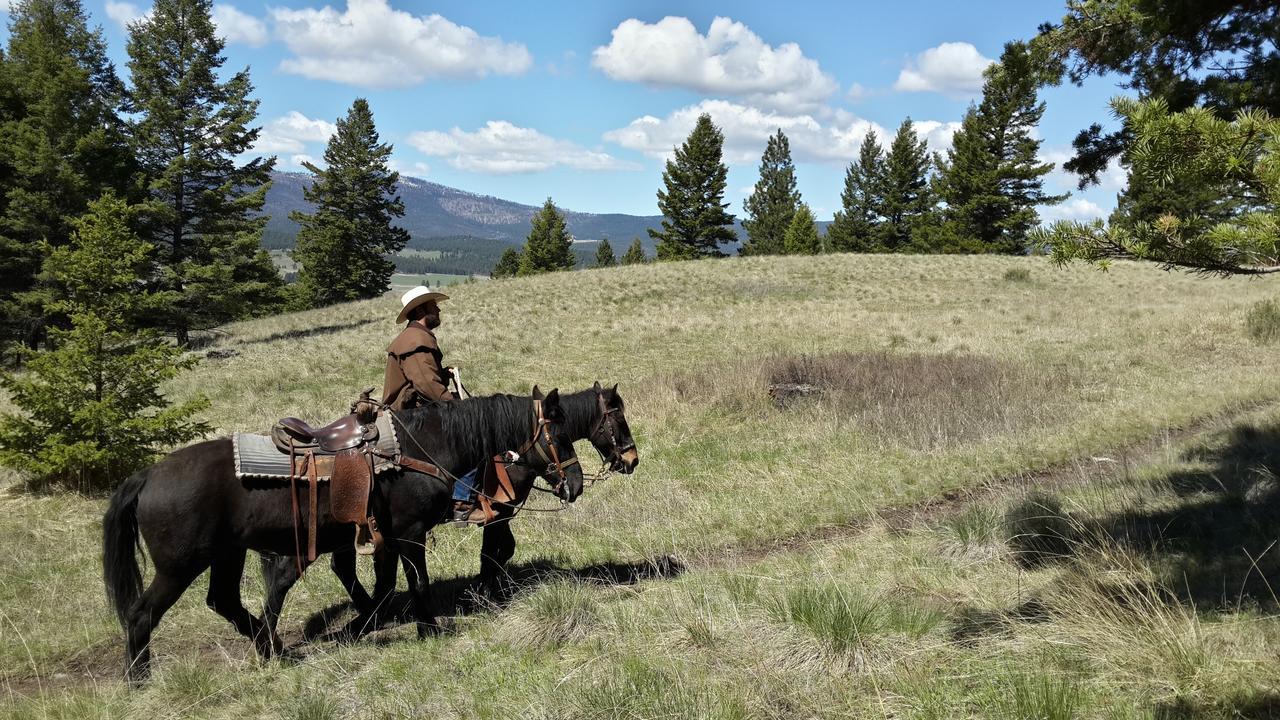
(580, 412)
(479, 426)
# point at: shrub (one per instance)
(1039, 531)
(1263, 321)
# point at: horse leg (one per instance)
(224, 599)
(414, 559)
(498, 546)
(279, 573)
(384, 584)
(343, 564)
(164, 591)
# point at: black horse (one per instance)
(596, 414)
(194, 514)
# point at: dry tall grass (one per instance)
(936, 374)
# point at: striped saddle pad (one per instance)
(258, 457)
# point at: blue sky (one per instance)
(581, 101)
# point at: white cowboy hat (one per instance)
(414, 297)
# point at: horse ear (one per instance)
(537, 394)
(614, 390)
(596, 387)
(553, 397)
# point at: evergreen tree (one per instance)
(342, 246)
(801, 237)
(773, 202)
(854, 227)
(992, 179)
(1191, 148)
(694, 222)
(634, 254)
(188, 129)
(907, 199)
(508, 265)
(549, 246)
(604, 254)
(91, 409)
(61, 143)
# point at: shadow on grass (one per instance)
(202, 341)
(457, 597)
(1214, 548)
(1256, 706)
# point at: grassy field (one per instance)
(1021, 492)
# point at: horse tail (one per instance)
(120, 547)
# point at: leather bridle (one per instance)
(609, 422)
(549, 454)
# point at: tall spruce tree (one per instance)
(508, 265)
(634, 254)
(861, 202)
(604, 254)
(91, 409)
(992, 179)
(907, 198)
(61, 144)
(342, 246)
(694, 222)
(549, 246)
(801, 237)
(188, 129)
(773, 202)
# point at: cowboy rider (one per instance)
(416, 376)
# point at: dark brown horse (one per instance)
(194, 514)
(596, 414)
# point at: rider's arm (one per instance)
(423, 372)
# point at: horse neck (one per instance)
(459, 455)
(581, 413)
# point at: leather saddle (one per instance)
(291, 434)
(346, 445)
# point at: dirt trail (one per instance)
(1080, 470)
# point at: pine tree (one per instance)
(549, 246)
(773, 202)
(60, 140)
(188, 130)
(508, 265)
(1192, 148)
(907, 199)
(801, 237)
(634, 254)
(342, 246)
(91, 409)
(694, 222)
(604, 254)
(992, 179)
(854, 227)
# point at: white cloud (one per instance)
(300, 158)
(746, 130)
(409, 169)
(1076, 209)
(952, 68)
(371, 44)
(239, 27)
(729, 60)
(6, 5)
(1114, 179)
(124, 13)
(501, 148)
(290, 134)
(858, 93)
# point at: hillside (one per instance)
(435, 211)
(1020, 492)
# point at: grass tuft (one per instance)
(550, 616)
(1038, 531)
(839, 618)
(1263, 321)
(1017, 274)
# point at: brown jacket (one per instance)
(415, 375)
